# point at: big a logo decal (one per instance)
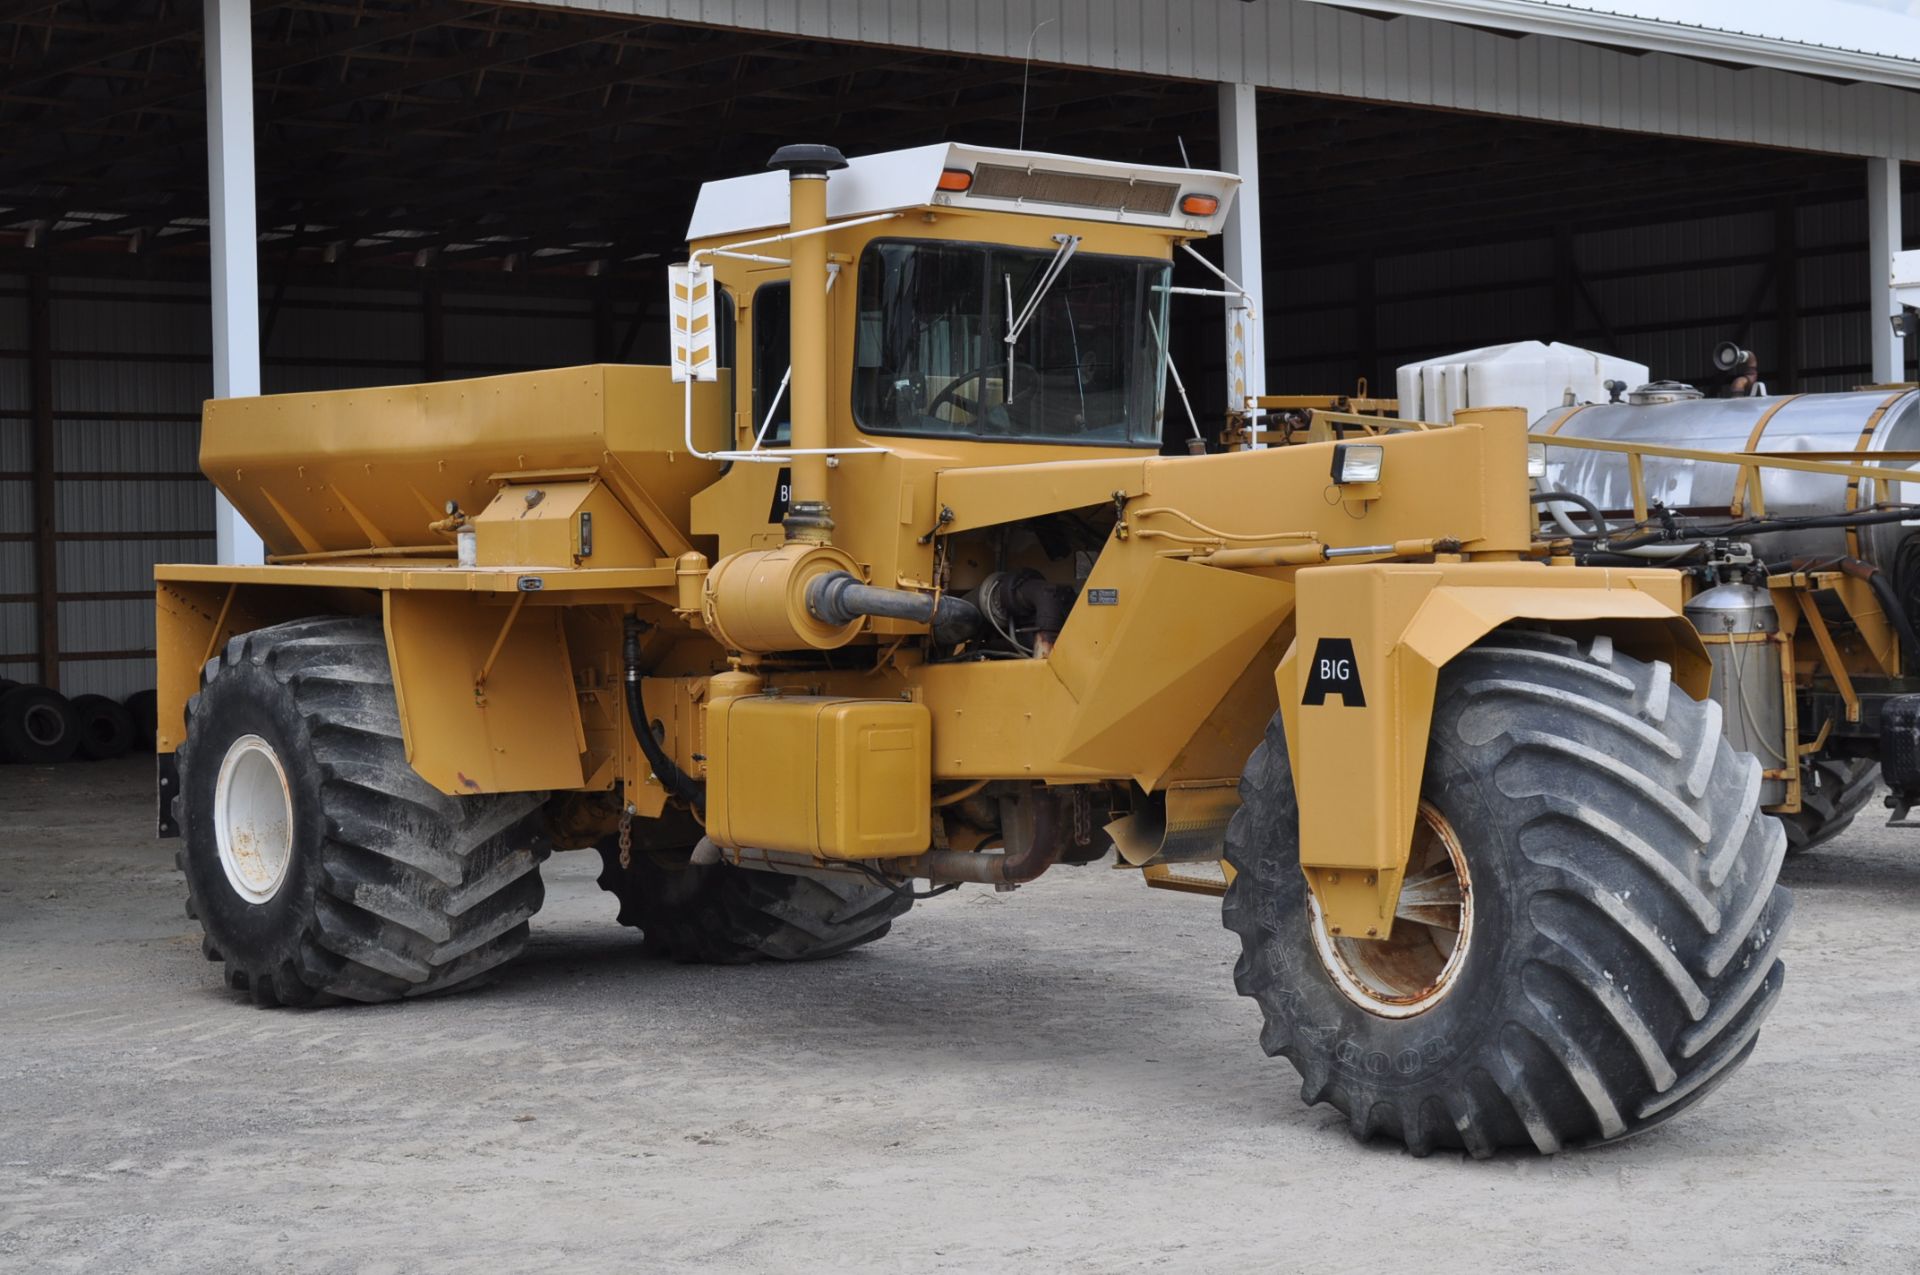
(782, 495)
(1335, 671)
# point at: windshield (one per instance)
(1087, 365)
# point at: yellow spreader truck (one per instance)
(885, 586)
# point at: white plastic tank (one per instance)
(1527, 374)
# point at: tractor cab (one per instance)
(973, 295)
(971, 307)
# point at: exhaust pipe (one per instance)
(1018, 864)
(810, 516)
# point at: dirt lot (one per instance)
(1057, 1079)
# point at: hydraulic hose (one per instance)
(1642, 556)
(665, 769)
(1554, 499)
(1883, 592)
(1655, 553)
(1889, 600)
(1890, 603)
(1761, 526)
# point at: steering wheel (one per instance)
(971, 406)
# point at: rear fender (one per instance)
(193, 621)
(515, 729)
(1356, 694)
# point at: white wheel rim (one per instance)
(43, 726)
(1417, 964)
(253, 819)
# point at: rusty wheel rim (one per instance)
(1417, 964)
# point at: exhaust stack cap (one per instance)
(808, 160)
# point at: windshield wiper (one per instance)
(1166, 352)
(1079, 377)
(1069, 244)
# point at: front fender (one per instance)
(1356, 693)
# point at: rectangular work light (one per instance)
(1357, 462)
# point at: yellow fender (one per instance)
(1357, 689)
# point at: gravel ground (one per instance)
(1056, 1079)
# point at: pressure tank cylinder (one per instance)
(1738, 624)
(1861, 425)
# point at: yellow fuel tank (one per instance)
(820, 775)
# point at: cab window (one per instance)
(1010, 344)
(772, 355)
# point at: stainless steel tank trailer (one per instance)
(1796, 526)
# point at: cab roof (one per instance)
(1030, 182)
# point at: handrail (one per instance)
(1761, 460)
(1744, 459)
(758, 454)
(1749, 463)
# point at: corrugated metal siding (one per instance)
(116, 679)
(131, 370)
(16, 501)
(117, 566)
(134, 505)
(339, 338)
(1665, 295)
(1313, 48)
(18, 635)
(487, 334)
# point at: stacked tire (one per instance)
(41, 727)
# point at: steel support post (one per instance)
(1240, 154)
(45, 453)
(1883, 240)
(234, 245)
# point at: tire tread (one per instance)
(1650, 869)
(723, 915)
(417, 891)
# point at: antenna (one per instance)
(1025, 68)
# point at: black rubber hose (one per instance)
(678, 781)
(1884, 593)
(1906, 582)
(1762, 526)
(840, 598)
(1601, 558)
(1575, 498)
(1890, 604)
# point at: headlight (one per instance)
(1536, 460)
(1357, 462)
